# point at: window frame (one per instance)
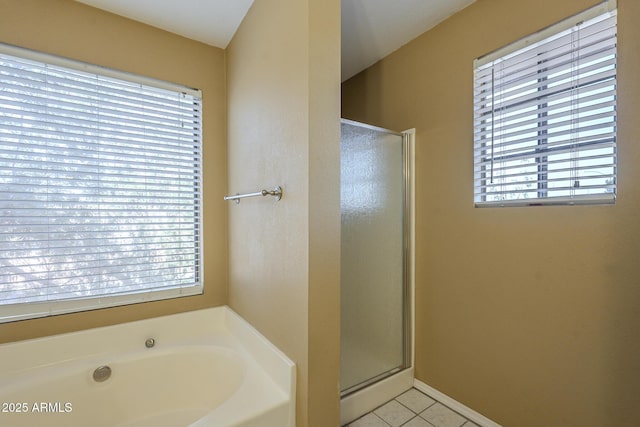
(482, 150)
(30, 310)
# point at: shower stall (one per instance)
(376, 268)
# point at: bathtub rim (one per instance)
(214, 324)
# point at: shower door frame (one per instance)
(407, 255)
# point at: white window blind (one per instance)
(100, 187)
(545, 116)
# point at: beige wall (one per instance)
(528, 315)
(71, 29)
(283, 99)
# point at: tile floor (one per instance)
(412, 409)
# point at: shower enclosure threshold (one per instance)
(355, 404)
(351, 390)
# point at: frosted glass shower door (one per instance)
(372, 257)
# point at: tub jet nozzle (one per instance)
(101, 374)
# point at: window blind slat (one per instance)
(10, 110)
(542, 67)
(484, 111)
(43, 141)
(551, 92)
(86, 161)
(69, 252)
(61, 130)
(554, 149)
(556, 51)
(519, 173)
(557, 119)
(539, 83)
(574, 137)
(49, 81)
(603, 27)
(598, 156)
(15, 98)
(549, 112)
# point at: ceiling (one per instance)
(371, 29)
(213, 22)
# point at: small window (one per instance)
(545, 116)
(100, 187)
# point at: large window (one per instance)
(545, 116)
(100, 187)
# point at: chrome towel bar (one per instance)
(276, 192)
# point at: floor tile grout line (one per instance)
(405, 406)
(394, 400)
(382, 419)
(369, 413)
(466, 420)
(416, 414)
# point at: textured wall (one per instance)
(284, 108)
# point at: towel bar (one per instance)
(276, 192)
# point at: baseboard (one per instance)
(463, 410)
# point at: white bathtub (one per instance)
(207, 368)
